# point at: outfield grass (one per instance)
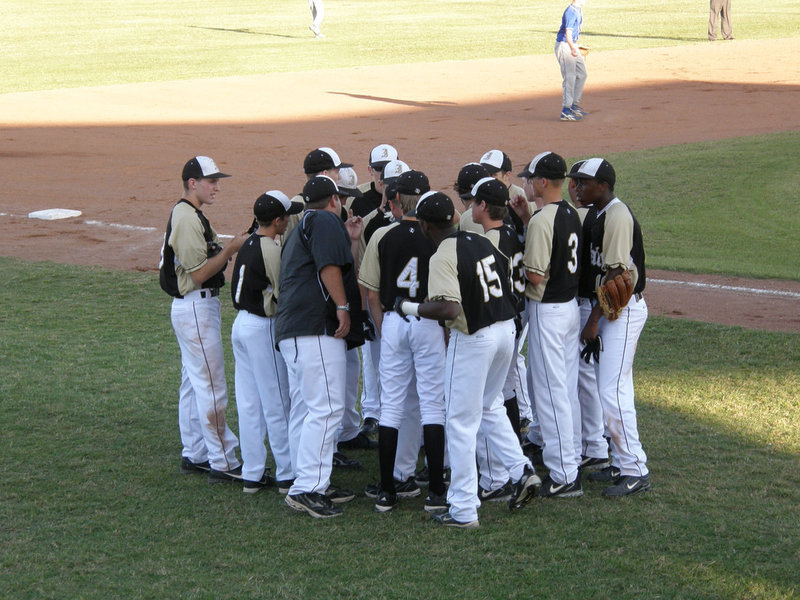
(65, 43)
(725, 207)
(92, 505)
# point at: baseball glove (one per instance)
(583, 50)
(614, 295)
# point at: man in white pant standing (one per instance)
(192, 271)
(616, 246)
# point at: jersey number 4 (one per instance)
(490, 280)
(408, 278)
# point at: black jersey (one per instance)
(254, 282)
(369, 201)
(616, 241)
(506, 240)
(552, 249)
(586, 275)
(468, 269)
(404, 254)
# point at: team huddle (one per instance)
(432, 306)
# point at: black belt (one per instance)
(209, 293)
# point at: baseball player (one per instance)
(551, 260)
(317, 8)
(192, 271)
(518, 401)
(261, 378)
(570, 59)
(468, 176)
(372, 194)
(395, 267)
(616, 246)
(489, 210)
(317, 319)
(469, 288)
(594, 448)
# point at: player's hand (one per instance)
(590, 331)
(367, 326)
(592, 350)
(574, 51)
(519, 204)
(398, 307)
(354, 225)
(344, 324)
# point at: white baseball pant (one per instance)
(615, 384)
(262, 396)
(203, 395)
(317, 368)
(593, 444)
(553, 355)
(475, 371)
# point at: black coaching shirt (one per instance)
(552, 249)
(254, 282)
(396, 263)
(616, 241)
(305, 307)
(466, 268)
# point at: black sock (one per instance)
(512, 410)
(434, 450)
(387, 451)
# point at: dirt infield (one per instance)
(115, 152)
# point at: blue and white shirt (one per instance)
(572, 19)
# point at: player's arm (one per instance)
(331, 276)
(572, 47)
(375, 309)
(217, 263)
(438, 310)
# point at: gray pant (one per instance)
(573, 74)
(720, 8)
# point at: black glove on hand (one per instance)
(367, 326)
(398, 303)
(592, 350)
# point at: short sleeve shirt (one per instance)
(254, 282)
(571, 19)
(305, 306)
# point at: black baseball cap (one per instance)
(491, 190)
(413, 183)
(319, 187)
(575, 168)
(435, 207)
(548, 165)
(322, 159)
(201, 167)
(596, 168)
(496, 160)
(468, 176)
(273, 204)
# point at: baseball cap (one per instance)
(273, 204)
(322, 159)
(548, 165)
(496, 160)
(468, 176)
(348, 183)
(575, 168)
(381, 155)
(491, 190)
(413, 183)
(319, 187)
(201, 167)
(596, 168)
(393, 169)
(435, 207)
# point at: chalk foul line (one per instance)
(727, 288)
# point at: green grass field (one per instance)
(92, 505)
(64, 43)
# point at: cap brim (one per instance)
(525, 174)
(465, 196)
(216, 176)
(295, 208)
(354, 192)
(344, 166)
(379, 166)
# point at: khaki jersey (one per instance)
(618, 239)
(191, 249)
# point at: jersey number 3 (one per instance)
(572, 243)
(490, 281)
